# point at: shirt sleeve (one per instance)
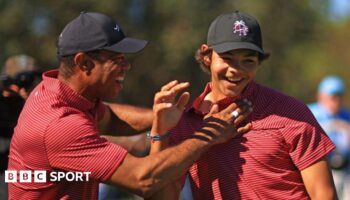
(306, 140)
(74, 144)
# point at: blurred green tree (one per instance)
(304, 43)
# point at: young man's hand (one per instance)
(167, 110)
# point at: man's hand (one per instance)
(220, 127)
(166, 110)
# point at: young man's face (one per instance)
(108, 74)
(232, 71)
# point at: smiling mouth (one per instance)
(119, 80)
(234, 80)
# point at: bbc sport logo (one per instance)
(41, 176)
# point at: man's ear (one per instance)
(83, 62)
(206, 56)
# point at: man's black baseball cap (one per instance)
(235, 30)
(95, 31)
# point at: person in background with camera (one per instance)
(335, 120)
(18, 77)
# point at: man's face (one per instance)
(232, 71)
(108, 74)
(331, 102)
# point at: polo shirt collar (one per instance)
(247, 93)
(67, 94)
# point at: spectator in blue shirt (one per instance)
(335, 120)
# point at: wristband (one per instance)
(157, 137)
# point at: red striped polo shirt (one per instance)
(57, 132)
(264, 163)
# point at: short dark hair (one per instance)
(199, 56)
(67, 63)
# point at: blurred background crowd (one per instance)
(308, 42)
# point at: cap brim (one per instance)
(228, 46)
(128, 45)
(331, 90)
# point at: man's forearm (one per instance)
(159, 169)
(171, 190)
(137, 145)
(174, 162)
(126, 120)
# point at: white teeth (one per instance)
(234, 79)
(120, 80)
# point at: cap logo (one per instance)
(240, 28)
(116, 27)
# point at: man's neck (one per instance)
(76, 83)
